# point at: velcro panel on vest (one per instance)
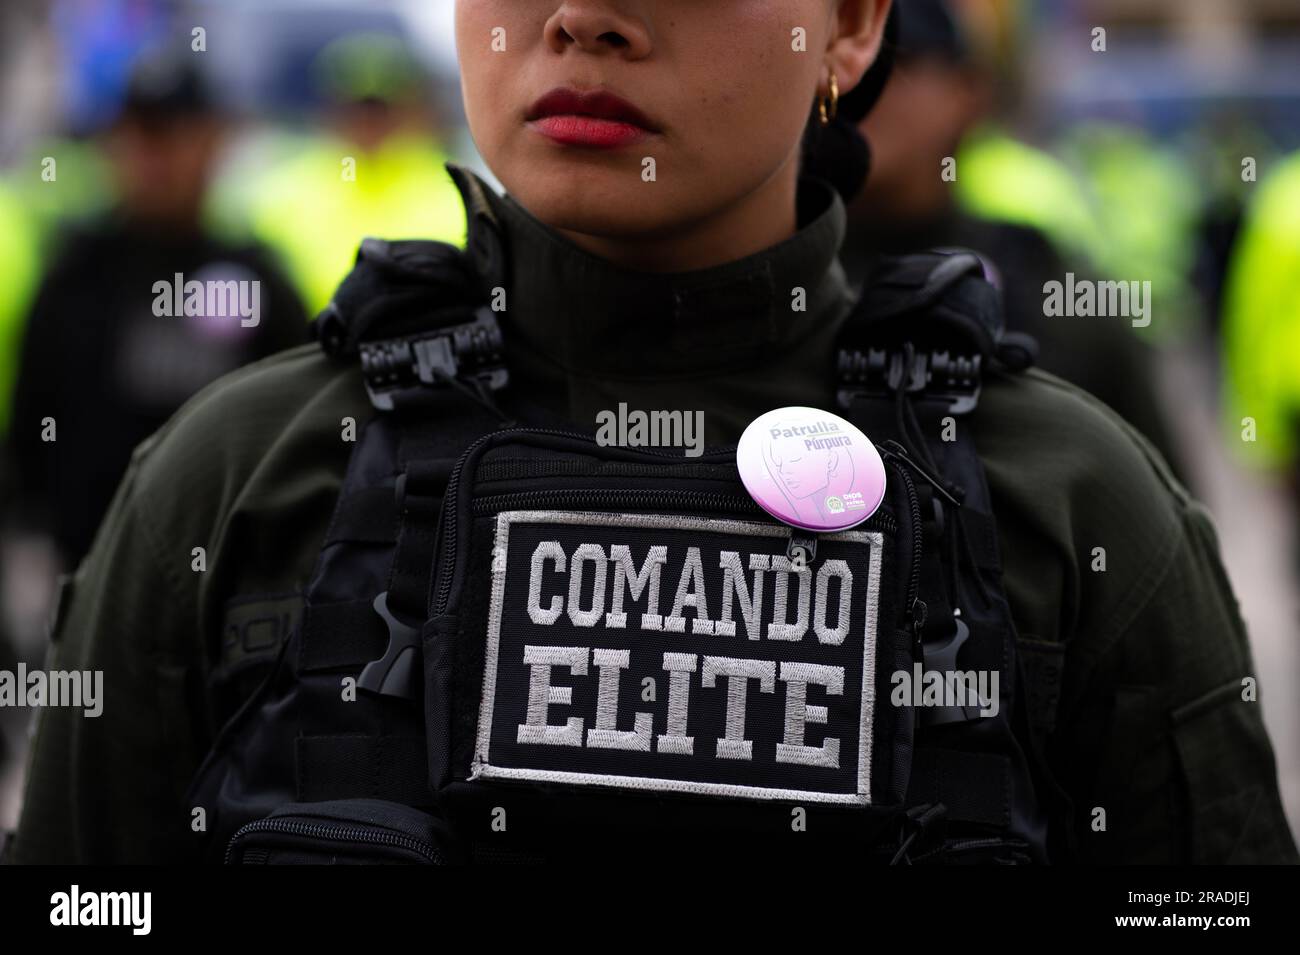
(351, 767)
(341, 636)
(975, 787)
(367, 516)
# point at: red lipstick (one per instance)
(598, 119)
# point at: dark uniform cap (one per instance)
(368, 68)
(167, 86)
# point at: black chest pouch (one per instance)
(623, 647)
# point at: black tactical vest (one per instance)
(519, 644)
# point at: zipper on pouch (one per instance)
(706, 502)
(342, 834)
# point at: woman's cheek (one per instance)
(480, 26)
(486, 109)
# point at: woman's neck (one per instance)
(760, 220)
(590, 316)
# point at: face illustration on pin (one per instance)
(811, 469)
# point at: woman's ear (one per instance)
(859, 27)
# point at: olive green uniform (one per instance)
(1151, 725)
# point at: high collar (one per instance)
(583, 314)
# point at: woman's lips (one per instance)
(588, 131)
(595, 118)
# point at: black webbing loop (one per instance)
(367, 516)
(340, 635)
(394, 768)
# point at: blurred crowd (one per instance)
(1132, 140)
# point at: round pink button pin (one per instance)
(811, 469)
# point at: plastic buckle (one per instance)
(395, 673)
(940, 656)
(937, 376)
(470, 352)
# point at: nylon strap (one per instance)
(341, 635)
(430, 446)
(974, 787)
(367, 516)
(350, 767)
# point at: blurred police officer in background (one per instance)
(944, 86)
(106, 358)
(375, 167)
(1261, 329)
(19, 273)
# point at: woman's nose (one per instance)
(597, 26)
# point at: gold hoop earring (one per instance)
(828, 113)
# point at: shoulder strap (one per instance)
(911, 362)
(929, 325)
(415, 312)
(955, 287)
(415, 316)
(396, 288)
(945, 306)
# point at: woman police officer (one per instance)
(640, 143)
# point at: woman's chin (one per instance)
(597, 202)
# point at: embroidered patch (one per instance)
(679, 654)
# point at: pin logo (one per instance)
(811, 469)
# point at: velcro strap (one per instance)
(427, 467)
(339, 635)
(410, 578)
(975, 787)
(356, 767)
(367, 516)
(428, 477)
